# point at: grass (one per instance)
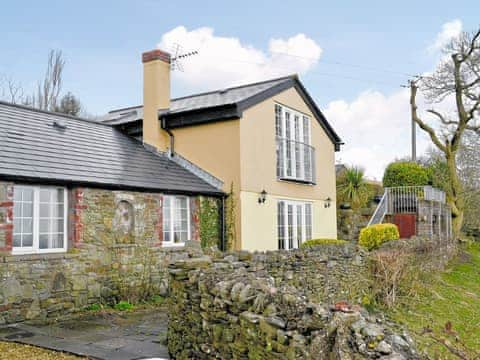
(26, 352)
(445, 316)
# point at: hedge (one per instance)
(405, 173)
(317, 242)
(373, 236)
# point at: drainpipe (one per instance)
(171, 151)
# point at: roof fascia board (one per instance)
(73, 183)
(201, 116)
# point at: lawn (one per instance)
(26, 352)
(445, 317)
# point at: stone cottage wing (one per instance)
(58, 149)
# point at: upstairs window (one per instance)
(295, 155)
(176, 220)
(39, 219)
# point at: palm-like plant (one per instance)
(352, 187)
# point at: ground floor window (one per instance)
(39, 219)
(176, 220)
(294, 222)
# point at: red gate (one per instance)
(407, 224)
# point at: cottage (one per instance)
(95, 210)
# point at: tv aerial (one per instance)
(178, 55)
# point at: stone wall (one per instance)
(114, 252)
(278, 305)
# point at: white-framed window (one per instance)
(295, 155)
(294, 223)
(39, 219)
(176, 220)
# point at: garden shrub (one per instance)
(316, 242)
(123, 306)
(406, 173)
(373, 236)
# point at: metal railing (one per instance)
(380, 211)
(295, 161)
(404, 199)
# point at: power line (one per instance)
(341, 63)
(312, 72)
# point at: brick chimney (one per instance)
(156, 96)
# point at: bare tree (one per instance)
(457, 78)
(48, 90)
(11, 90)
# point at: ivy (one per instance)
(210, 233)
(230, 219)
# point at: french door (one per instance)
(294, 223)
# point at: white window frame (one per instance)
(169, 242)
(295, 241)
(293, 136)
(35, 248)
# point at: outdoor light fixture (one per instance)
(328, 202)
(262, 197)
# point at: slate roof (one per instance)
(86, 153)
(221, 104)
(209, 99)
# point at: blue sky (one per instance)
(358, 48)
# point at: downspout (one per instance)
(171, 151)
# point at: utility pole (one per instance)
(414, 129)
(414, 141)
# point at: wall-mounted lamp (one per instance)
(262, 197)
(327, 203)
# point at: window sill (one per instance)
(10, 258)
(37, 252)
(297, 181)
(177, 245)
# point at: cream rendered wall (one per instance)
(259, 221)
(215, 147)
(258, 172)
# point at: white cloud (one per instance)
(375, 129)
(224, 61)
(449, 31)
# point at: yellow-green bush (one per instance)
(316, 242)
(373, 236)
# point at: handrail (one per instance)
(295, 160)
(380, 211)
(404, 199)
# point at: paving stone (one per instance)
(127, 337)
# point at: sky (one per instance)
(352, 56)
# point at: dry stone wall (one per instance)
(277, 305)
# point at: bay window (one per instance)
(295, 155)
(176, 220)
(294, 223)
(39, 219)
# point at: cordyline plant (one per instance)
(456, 78)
